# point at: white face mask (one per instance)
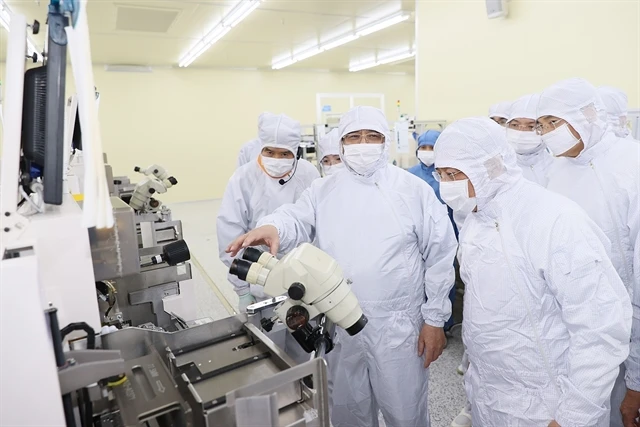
(362, 158)
(456, 195)
(331, 169)
(427, 157)
(277, 168)
(560, 140)
(523, 142)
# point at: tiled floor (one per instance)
(216, 299)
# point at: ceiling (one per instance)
(159, 33)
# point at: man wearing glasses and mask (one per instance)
(601, 172)
(393, 239)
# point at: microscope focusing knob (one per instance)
(296, 291)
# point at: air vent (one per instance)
(145, 19)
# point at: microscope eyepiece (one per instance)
(240, 268)
(358, 326)
(252, 254)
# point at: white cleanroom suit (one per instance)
(392, 237)
(617, 105)
(501, 109)
(252, 194)
(546, 318)
(249, 152)
(604, 179)
(531, 154)
(329, 145)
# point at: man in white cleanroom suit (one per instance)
(546, 318)
(617, 106)
(393, 238)
(500, 112)
(251, 150)
(256, 189)
(329, 153)
(600, 172)
(531, 154)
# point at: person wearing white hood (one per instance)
(500, 112)
(257, 188)
(329, 153)
(616, 103)
(394, 240)
(533, 157)
(600, 172)
(546, 318)
(251, 150)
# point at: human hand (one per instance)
(265, 235)
(554, 423)
(629, 409)
(431, 342)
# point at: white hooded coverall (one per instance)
(617, 105)
(535, 165)
(546, 318)
(329, 145)
(249, 152)
(604, 179)
(501, 109)
(393, 239)
(252, 194)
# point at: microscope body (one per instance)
(315, 285)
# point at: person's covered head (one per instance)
(364, 140)
(617, 106)
(474, 163)
(280, 138)
(521, 126)
(426, 142)
(329, 153)
(500, 112)
(571, 117)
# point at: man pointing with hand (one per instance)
(393, 239)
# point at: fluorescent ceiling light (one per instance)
(339, 41)
(241, 10)
(5, 19)
(393, 57)
(383, 23)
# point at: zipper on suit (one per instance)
(616, 229)
(534, 325)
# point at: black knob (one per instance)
(296, 291)
(172, 180)
(176, 252)
(155, 171)
(136, 169)
(36, 27)
(117, 182)
(152, 190)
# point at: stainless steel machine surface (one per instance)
(224, 373)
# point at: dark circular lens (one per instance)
(240, 268)
(297, 317)
(358, 326)
(252, 254)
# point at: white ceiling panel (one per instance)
(159, 33)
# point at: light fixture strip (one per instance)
(344, 39)
(393, 57)
(242, 9)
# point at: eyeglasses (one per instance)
(451, 176)
(542, 128)
(369, 138)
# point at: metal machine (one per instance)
(77, 281)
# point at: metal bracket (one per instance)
(264, 305)
(91, 366)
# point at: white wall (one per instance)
(467, 62)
